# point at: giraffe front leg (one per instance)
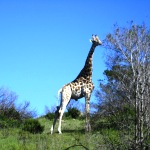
(87, 107)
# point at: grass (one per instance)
(73, 137)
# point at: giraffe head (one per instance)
(95, 40)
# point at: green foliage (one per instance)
(50, 116)
(99, 123)
(72, 138)
(12, 115)
(33, 126)
(9, 123)
(121, 119)
(113, 140)
(122, 106)
(73, 113)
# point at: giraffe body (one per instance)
(82, 86)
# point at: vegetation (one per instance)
(50, 115)
(12, 115)
(73, 137)
(32, 126)
(124, 96)
(73, 113)
(122, 117)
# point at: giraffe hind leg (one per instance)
(65, 98)
(55, 119)
(61, 112)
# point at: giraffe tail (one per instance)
(58, 96)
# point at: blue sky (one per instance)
(44, 43)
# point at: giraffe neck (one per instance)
(86, 72)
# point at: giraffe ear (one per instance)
(93, 38)
(97, 39)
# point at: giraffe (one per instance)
(82, 86)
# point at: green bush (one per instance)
(50, 116)
(33, 126)
(73, 113)
(120, 118)
(3, 124)
(9, 122)
(113, 140)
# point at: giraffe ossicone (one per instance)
(82, 86)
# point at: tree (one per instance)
(128, 77)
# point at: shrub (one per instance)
(33, 126)
(50, 116)
(73, 113)
(3, 124)
(12, 114)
